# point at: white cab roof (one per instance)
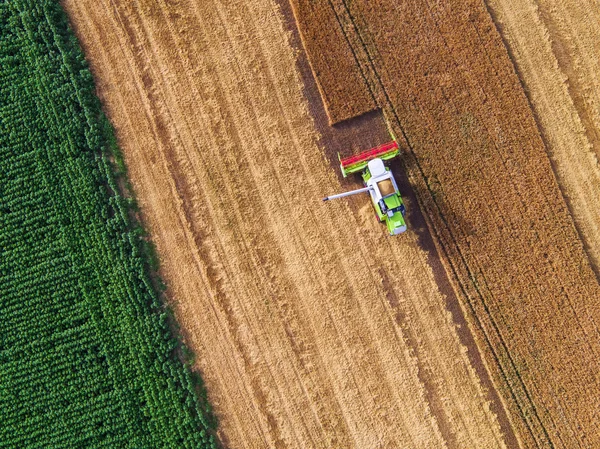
(376, 168)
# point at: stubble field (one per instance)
(312, 328)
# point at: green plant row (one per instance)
(87, 356)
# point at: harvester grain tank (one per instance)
(379, 182)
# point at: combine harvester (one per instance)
(379, 182)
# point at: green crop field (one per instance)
(87, 357)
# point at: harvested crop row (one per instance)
(486, 184)
(555, 47)
(310, 333)
(337, 74)
(87, 358)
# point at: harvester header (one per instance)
(359, 162)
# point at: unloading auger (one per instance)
(379, 182)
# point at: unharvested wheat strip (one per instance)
(548, 89)
(342, 86)
(284, 318)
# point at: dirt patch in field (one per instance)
(312, 327)
(481, 172)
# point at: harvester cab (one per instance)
(379, 182)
